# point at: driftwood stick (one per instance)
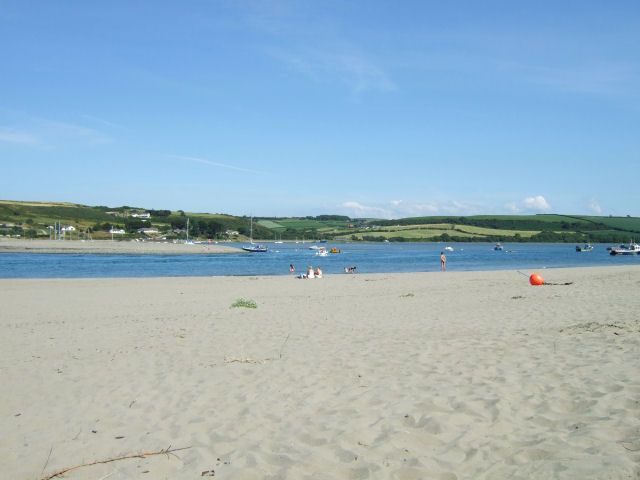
(258, 360)
(630, 449)
(165, 451)
(283, 344)
(47, 462)
(246, 360)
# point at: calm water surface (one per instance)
(369, 258)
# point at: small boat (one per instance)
(322, 252)
(335, 250)
(498, 246)
(253, 247)
(314, 247)
(448, 248)
(631, 249)
(587, 247)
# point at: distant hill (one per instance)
(38, 219)
(520, 228)
(49, 219)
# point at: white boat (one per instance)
(631, 249)
(587, 247)
(253, 247)
(322, 252)
(448, 249)
(498, 246)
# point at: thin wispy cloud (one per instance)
(586, 79)
(102, 121)
(204, 161)
(351, 68)
(311, 43)
(69, 130)
(550, 60)
(14, 136)
(30, 129)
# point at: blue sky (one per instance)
(285, 108)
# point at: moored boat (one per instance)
(631, 249)
(253, 247)
(587, 247)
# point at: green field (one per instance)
(430, 232)
(495, 232)
(32, 219)
(618, 223)
(408, 234)
(310, 224)
(270, 224)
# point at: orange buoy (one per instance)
(536, 279)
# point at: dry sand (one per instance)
(112, 247)
(470, 375)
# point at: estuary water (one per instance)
(367, 257)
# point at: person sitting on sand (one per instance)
(318, 272)
(350, 269)
(310, 272)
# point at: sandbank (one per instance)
(112, 247)
(469, 375)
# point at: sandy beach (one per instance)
(111, 247)
(473, 375)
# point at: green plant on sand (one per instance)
(245, 303)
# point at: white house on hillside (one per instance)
(117, 231)
(141, 215)
(148, 231)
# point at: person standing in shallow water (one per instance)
(443, 262)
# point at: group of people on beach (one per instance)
(311, 272)
(317, 272)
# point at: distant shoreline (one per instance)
(112, 247)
